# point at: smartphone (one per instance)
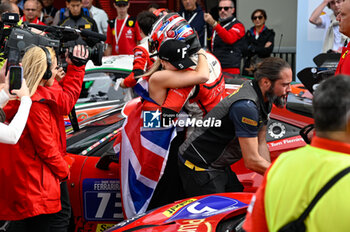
(16, 75)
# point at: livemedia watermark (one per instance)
(155, 119)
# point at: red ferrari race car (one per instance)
(226, 212)
(216, 212)
(94, 186)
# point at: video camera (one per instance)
(14, 40)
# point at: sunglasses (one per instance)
(30, 9)
(226, 8)
(260, 17)
(121, 4)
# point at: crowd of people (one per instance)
(183, 78)
(219, 33)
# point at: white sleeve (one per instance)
(3, 97)
(11, 133)
(325, 21)
(104, 22)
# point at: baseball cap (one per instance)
(175, 52)
(121, 2)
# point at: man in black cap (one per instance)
(123, 32)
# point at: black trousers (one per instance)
(40, 223)
(60, 221)
(196, 183)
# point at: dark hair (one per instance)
(41, 3)
(73, 1)
(145, 20)
(271, 68)
(5, 7)
(331, 104)
(153, 5)
(263, 12)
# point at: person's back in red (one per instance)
(344, 20)
(344, 62)
(30, 11)
(123, 32)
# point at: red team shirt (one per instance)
(128, 39)
(344, 62)
(35, 21)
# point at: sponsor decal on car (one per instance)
(192, 225)
(170, 212)
(103, 227)
(206, 207)
(276, 130)
(297, 140)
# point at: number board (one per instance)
(102, 200)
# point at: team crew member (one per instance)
(344, 22)
(99, 15)
(205, 157)
(32, 169)
(142, 59)
(297, 176)
(226, 41)
(77, 19)
(123, 32)
(194, 15)
(30, 12)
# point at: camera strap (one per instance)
(298, 225)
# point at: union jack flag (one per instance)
(143, 155)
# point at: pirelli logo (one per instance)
(249, 121)
(171, 211)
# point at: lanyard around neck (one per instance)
(190, 20)
(214, 33)
(121, 29)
